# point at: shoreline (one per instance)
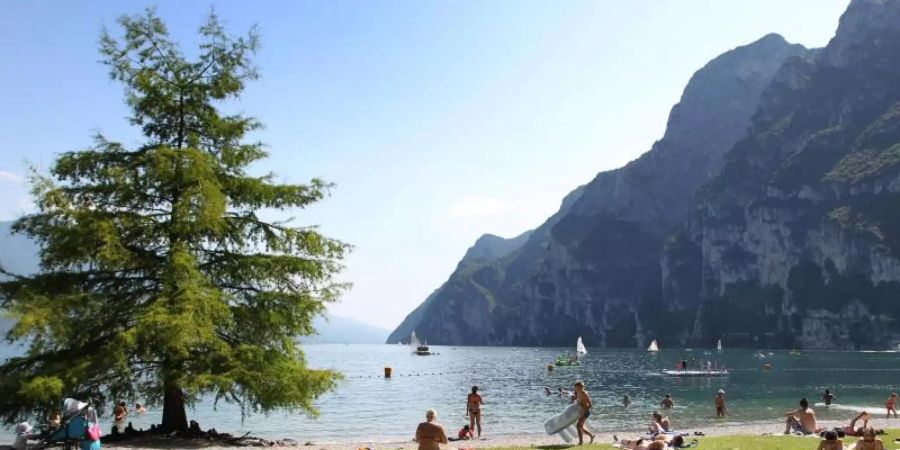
(775, 427)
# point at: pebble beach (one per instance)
(775, 427)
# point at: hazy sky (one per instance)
(438, 120)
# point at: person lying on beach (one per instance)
(660, 424)
(667, 402)
(802, 420)
(430, 434)
(660, 442)
(851, 430)
(868, 442)
(831, 441)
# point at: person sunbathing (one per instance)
(802, 420)
(660, 442)
(868, 441)
(851, 430)
(831, 441)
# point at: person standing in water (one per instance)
(721, 410)
(667, 402)
(626, 400)
(473, 409)
(891, 405)
(584, 401)
(828, 397)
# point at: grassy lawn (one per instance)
(742, 443)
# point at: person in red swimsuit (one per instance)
(891, 405)
(473, 410)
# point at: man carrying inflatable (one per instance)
(584, 401)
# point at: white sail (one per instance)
(653, 347)
(719, 345)
(413, 340)
(579, 347)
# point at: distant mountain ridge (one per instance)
(767, 215)
(599, 254)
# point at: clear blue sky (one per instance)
(438, 120)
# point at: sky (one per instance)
(438, 121)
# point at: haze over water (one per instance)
(367, 407)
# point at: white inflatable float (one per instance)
(564, 423)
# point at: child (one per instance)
(23, 434)
(721, 410)
(891, 405)
(464, 434)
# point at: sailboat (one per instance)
(653, 348)
(420, 348)
(566, 360)
(579, 347)
(719, 345)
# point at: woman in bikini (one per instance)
(473, 409)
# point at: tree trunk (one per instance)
(174, 415)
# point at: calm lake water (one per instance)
(367, 407)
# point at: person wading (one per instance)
(473, 410)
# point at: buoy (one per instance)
(549, 367)
(387, 372)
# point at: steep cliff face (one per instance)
(800, 235)
(593, 268)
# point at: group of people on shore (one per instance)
(430, 434)
(803, 421)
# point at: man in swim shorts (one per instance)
(584, 401)
(802, 420)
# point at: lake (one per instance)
(367, 407)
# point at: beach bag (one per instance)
(93, 432)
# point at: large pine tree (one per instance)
(159, 280)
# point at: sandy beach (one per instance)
(493, 440)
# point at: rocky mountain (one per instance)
(800, 234)
(593, 269)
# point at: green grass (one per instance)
(778, 442)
